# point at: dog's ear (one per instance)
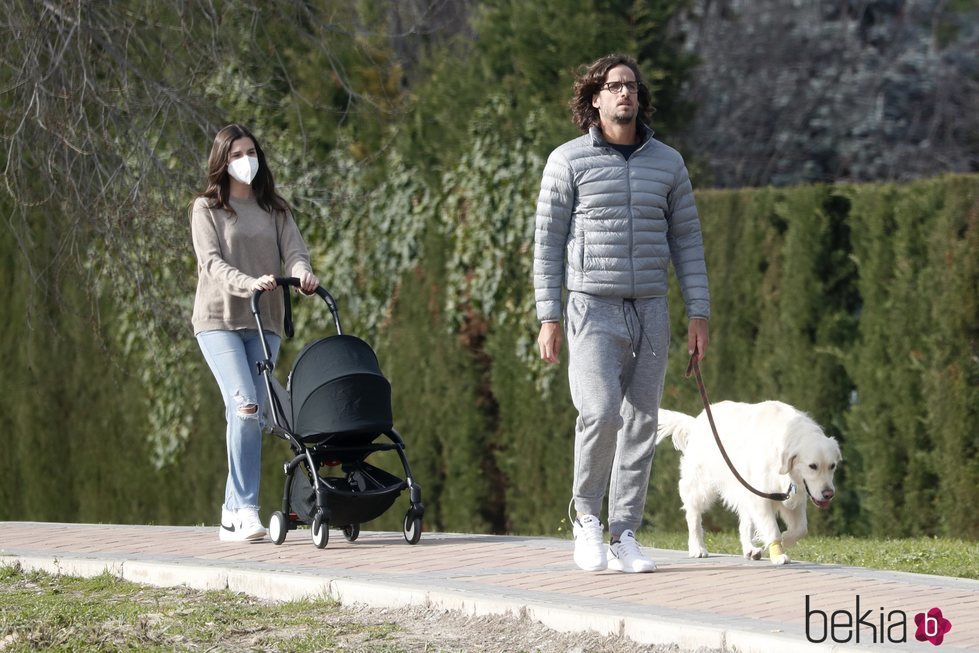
(836, 450)
(788, 460)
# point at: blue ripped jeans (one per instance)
(232, 355)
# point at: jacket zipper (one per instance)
(632, 261)
(628, 185)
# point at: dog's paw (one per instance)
(753, 553)
(698, 552)
(776, 552)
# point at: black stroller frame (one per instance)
(334, 426)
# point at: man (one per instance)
(615, 207)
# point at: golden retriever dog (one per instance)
(772, 445)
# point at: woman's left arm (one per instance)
(295, 254)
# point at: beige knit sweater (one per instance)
(232, 252)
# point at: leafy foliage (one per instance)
(412, 167)
(108, 111)
(528, 53)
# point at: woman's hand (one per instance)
(308, 283)
(265, 282)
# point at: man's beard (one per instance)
(623, 115)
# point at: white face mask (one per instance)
(244, 169)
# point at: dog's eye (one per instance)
(814, 466)
(833, 466)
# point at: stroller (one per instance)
(334, 407)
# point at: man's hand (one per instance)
(697, 338)
(549, 341)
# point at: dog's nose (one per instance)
(828, 494)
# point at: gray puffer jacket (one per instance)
(609, 227)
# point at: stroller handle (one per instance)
(266, 366)
(284, 283)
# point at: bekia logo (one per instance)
(873, 626)
(932, 626)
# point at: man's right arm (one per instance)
(553, 221)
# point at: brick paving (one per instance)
(724, 601)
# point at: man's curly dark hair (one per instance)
(590, 80)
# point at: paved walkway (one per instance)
(721, 602)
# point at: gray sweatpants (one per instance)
(617, 366)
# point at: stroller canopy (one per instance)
(336, 386)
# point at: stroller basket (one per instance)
(364, 495)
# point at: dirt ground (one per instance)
(43, 612)
(438, 631)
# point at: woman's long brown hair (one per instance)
(218, 189)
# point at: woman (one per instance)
(244, 235)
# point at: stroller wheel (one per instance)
(412, 528)
(351, 532)
(320, 531)
(278, 528)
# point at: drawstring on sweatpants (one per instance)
(628, 325)
(642, 328)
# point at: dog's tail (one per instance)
(672, 424)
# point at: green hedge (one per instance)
(916, 366)
(857, 304)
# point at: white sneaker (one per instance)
(625, 555)
(242, 525)
(589, 551)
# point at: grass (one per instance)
(923, 555)
(42, 611)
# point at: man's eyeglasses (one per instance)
(616, 87)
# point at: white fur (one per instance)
(771, 445)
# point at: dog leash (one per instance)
(694, 366)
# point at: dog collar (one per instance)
(791, 491)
